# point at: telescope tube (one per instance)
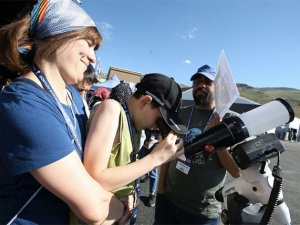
(235, 129)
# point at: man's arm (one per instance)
(224, 156)
(228, 162)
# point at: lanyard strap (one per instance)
(189, 159)
(133, 158)
(48, 87)
(190, 119)
(26, 203)
(133, 153)
(191, 115)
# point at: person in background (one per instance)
(151, 140)
(83, 86)
(113, 138)
(45, 48)
(89, 78)
(97, 96)
(121, 92)
(188, 196)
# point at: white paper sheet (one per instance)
(226, 90)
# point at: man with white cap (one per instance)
(187, 195)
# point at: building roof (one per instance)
(126, 75)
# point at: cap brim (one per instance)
(173, 121)
(209, 76)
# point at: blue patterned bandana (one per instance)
(51, 17)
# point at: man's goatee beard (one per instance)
(201, 101)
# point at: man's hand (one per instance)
(214, 120)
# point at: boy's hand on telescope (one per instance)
(168, 149)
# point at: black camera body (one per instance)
(256, 150)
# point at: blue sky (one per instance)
(261, 38)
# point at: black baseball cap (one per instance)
(167, 94)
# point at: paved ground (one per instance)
(290, 165)
(291, 174)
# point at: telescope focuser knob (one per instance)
(209, 148)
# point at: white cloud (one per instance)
(106, 30)
(187, 61)
(190, 33)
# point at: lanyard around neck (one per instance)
(133, 158)
(191, 116)
(133, 153)
(48, 87)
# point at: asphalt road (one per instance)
(290, 165)
(291, 174)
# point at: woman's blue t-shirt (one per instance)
(33, 134)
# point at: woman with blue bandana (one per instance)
(42, 117)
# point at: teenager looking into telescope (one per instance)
(45, 48)
(190, 191)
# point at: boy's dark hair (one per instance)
(139, 92)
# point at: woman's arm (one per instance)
(68, 180)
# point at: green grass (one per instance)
(264, 95)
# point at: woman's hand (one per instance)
(128, 201)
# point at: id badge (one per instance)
(183, 167)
